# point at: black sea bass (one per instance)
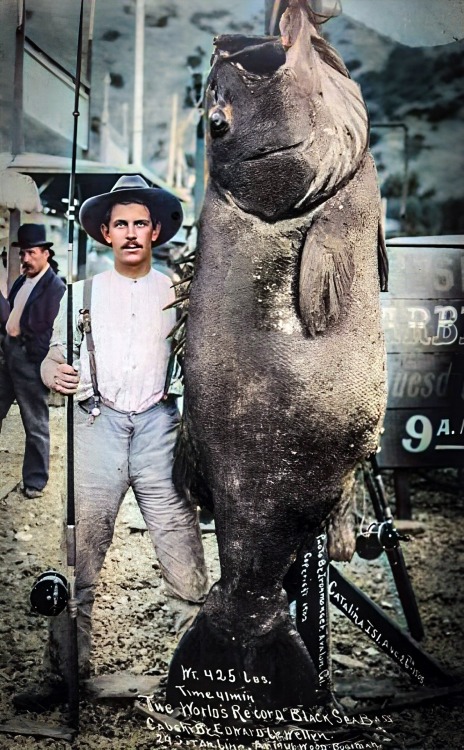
(284, 368)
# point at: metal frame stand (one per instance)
(320, 582)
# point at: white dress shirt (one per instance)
(12, 325)
(129, 328)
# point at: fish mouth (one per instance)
(273, 151)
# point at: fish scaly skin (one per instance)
(285, 363)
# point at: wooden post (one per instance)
(170, 172)
(13, 253)
(137, 127)
(17, 135)
(17, 138)
(104, 135)
(273, 12)
(312, 612)
(200, 165)
(402, 494)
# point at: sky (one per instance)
(418, 23)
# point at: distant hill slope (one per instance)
(422, 88)
(178, 40)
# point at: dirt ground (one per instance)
(133, 628)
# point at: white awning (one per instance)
(19, 191)
(33, 163)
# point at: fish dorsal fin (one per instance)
(338, 127)
(185, 267)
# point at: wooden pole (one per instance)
(17, 139)
(137, 128)
(104, 135)
(17, 134)
(273, 12)
(172, 142)
(14, 263)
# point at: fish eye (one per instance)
(218, 124)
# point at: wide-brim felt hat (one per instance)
(163, 206)
(32, 235)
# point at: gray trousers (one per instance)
(20, 380)
(117, 451)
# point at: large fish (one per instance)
(284, 367)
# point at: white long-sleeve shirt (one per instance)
(129, 328)
(12, 325)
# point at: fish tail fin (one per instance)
(228, 676)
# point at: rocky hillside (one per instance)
(178, 42)
(417, 91)
(420, 88)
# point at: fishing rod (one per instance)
(52, 593)
(73, 668)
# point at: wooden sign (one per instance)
(423, 321)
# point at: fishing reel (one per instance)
(49, 595)
(378, 538)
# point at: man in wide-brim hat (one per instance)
(29, 314)
(126, 423)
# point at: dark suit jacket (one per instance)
(39, 312)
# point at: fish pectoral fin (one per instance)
(326, 275)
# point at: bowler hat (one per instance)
(32, 235)
(163, 206)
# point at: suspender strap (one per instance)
(87, 328)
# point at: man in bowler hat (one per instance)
(126, 421)
(26, 328)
